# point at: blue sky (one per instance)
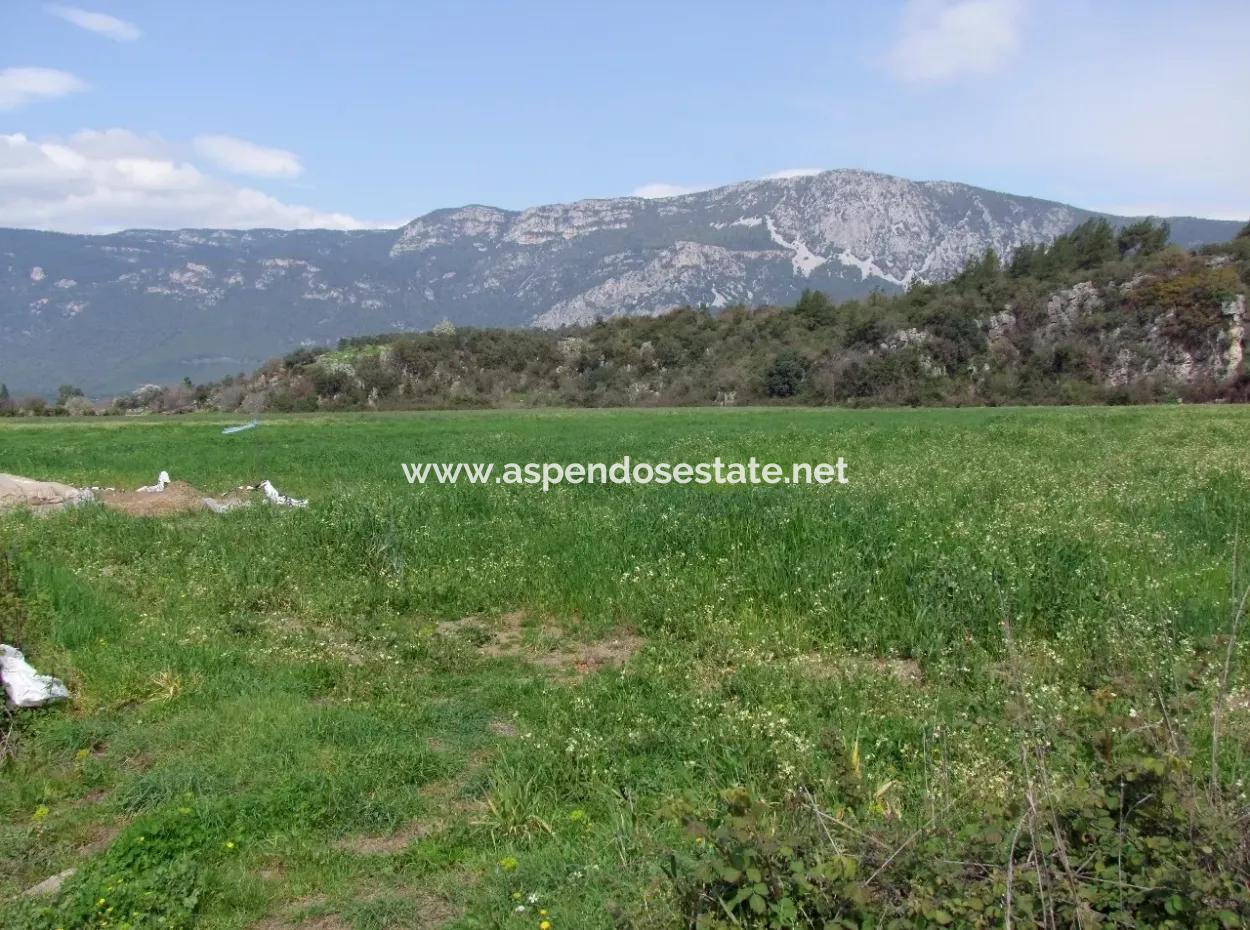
(119, 114)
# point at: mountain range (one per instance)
(110, 312)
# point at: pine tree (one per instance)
(1024, 259)
(1093, 244)
(812, 300)
(1143, 238)
(65, 392)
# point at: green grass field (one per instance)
(461, 706)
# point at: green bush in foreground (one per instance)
(1135, 842)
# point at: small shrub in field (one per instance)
(1134, 843)
(752, 875)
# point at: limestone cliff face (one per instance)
(845, 232)
(110, 312)
(1128, 352)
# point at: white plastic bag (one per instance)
(24, 686)
(161, 480)
(272, 495)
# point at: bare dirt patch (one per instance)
(320, 922)
(605, 653)
(430, 909)
(295, 916)
(178, 497)
(436, 912)
(95, 796)
(545, 645)
(100, 838)
(432, 912)
(391, 843)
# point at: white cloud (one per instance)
(658, 189)
(242, 157)
(101, 181)
(100, 23)
(20, 86)
(945, 39)
(785, 173)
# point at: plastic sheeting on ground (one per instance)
(16, 491)
(161, 481)
(166, 497)
(272, 495)
(24, 686)
(225, 505)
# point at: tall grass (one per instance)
(281, 670)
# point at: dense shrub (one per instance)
(1135, 842)
(785, 375)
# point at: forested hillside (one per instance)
(1097, 316)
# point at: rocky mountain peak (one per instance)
(107, 312)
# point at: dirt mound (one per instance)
(164, 498)
(16, 491)
(177, 497)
